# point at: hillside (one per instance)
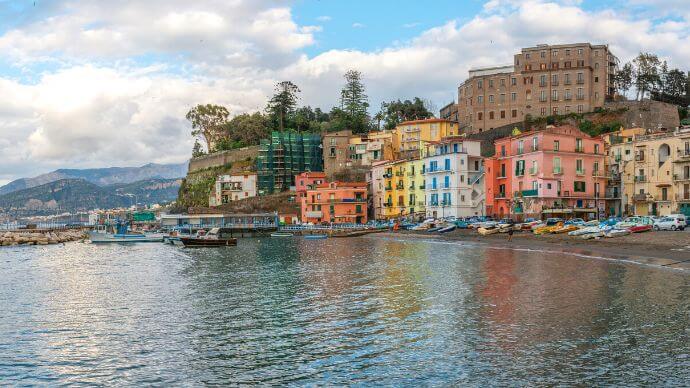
(70, 195)
(102, 176)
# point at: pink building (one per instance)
(555, 172)
(308, 180)
(336, 202)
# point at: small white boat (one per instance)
(584, 231)
(98, 238)
(487, 231)
(617, 232)
(316, 237)
(282, 234)
(590, 236)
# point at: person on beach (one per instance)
(510, 233)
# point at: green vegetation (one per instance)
(651, 77)
(594, 124)
(207, 123)
(395, 112)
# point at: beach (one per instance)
(663, 249)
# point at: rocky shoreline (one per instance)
(32, 237)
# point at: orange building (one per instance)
(336, 202)
(308, 180)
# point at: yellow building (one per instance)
(410, 135)
(398, 189)
(654, 171)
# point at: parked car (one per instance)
(575, 221)
(553, 221)
(674, 222)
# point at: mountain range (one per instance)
(101, 176)
(71, 195)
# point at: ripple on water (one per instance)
(342, 311)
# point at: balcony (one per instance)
(580, 171)
(557, 170)
(520, 173)
(529, 193)
(684, 197)
(580, 82)
(598, 174)
(639, 157)
(314, 214)
(567, 98)
(643, 197)
(542, 99)
(580, 97)
(501, 194)
(388, 188)
(580, 150)
(615, 177)
(422, 187)
(400, 187)
(681, 177)
(640, 178)
(399, 173)
(533, 170)
(684, 154)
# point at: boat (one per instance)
(282, 234)
(121, 235)
(216, 237)
(565, 229)
(447, 229)
(590, 236)
(434, 229)
(486, 231)
(316, 237)
(640, 228)
(617, 232)
(583, 231)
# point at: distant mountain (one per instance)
(69, 195)
(102, 176)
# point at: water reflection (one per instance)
(366, 310)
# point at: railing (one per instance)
(580, 97)
(580, 82)
(580, 149)
(520, 173)
(533, 171)
(422, 187)
(568, 98)
(388, 188)
(615, 176)
(580, 171)
(542, 99)
(684, 153)
(558, 170)
(685, 197)
(639, 157)
(530, 193)
(681, 177)
(501, 194)
(597, 173)
(640, 178)
(399, 187)
(640, 197)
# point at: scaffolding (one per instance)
(285, 155)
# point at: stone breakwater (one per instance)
(40, 238)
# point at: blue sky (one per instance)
(88, 83)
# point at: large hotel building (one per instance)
(543, 81)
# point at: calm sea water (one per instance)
(340, 311)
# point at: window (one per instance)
(567, 96)
(596, 79)
(491, 98)
(491, 83)
(580, 78)
(579, 166)
(554, 53)
(543, 111)
(513, 113)
(513, 81)
(535, 143)
(502, 98)
(542, 96)
(595, 167)
(521, 146)
(520, 168)
(513, 96)
(567, 109)
(579, 51)
(542, 66)
(480, 99)
(503, 170)
(596, 65)
(554, 79)
(580, 63)
(503, 150)
(502, 82)
(542, 80)
(527, 55)
(580, 93)
(557, 166)
(579, 187)
(491, 115)
(479, 115)
(554, 111)
(580, 108)
(596, 148)
(567, 52)
(446, 164)
(446, 182)
(579, 147)
(534, 168)
(554, 95)
(480, 84)
(503, 114)
(543, 54)
(566, 78)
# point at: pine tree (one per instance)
(354, 102)
(283, 103)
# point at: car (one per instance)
(675, 222)
(553, 221)
(575, 221)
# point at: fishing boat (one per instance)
(282, 234)
(216, 237)
(447, 229)
(565, 229)
(590, 236)
(434, 229)
(121, 235)
(487, 231)
(640, 228)
(316, 237)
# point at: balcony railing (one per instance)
(567, 97)
(684, 153)
(580, 97)
(533, 170)
(388, 188)
(542, 99)
(580, 81)
(558, 170)
(580, 149)
(640, 178)
(501, 194)
(530, 193)
(597, 173)
(580, 171)
(681, 177)
(399, 187)
(639, 157)
(683, 197)
(642, 197)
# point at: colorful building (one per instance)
(308, 180)
(398, 189)
(619, 151)
(285, 155)
(453, 169)
(655, 172)
(229, 188)
(335, 202)
(411, 135)
(555, 172)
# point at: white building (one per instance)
(454, 178)
(234, 187)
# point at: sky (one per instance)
(89, 83)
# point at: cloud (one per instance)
(324, 18)
(357, 25)
(109, 84)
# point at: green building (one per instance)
(285, 155)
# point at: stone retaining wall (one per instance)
(222, 158)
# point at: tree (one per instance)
(283, 103)
(624, 78)
(197, 150)
(674, 83)
(647, 69)
(354, 102)
(395, 112)
(207, 123)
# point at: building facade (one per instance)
(308, 180)
(335, 203)
(411, 135)
(398, 189)
(453, 171)
(229, 188)
(336, 152)
(283, 156)
(555, 172)
(655, 171)
(543, 80)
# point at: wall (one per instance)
(646, 114)
(222, 158)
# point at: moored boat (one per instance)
(565, 229)
(316, 237)
(590, 236)
(617, 233)
(487, 231)
(447, 229)
(216, 237)
(282, 234)
(640, 228)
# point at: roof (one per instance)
(551, 130)
(452, 139)
(312, 174)
(431, 120)
(343, 185)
